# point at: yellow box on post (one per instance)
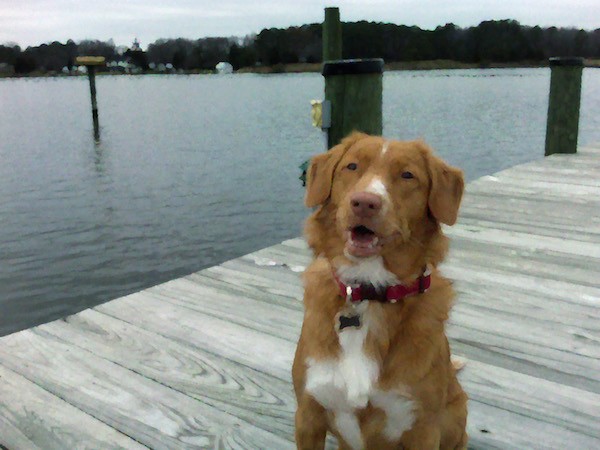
(90, 60)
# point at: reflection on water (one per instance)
(194, 170)
(99, 158)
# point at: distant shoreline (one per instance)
(438, 64)
(316, 68)
(394, 66)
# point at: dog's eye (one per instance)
(407, 175)
(352, 166)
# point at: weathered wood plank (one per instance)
(150, 413)
(523, 357)
(254, 396)
(533, 397)
(236, 288)
(572, 336)
(576, 177)
(281, 292)
(544, 188)
(122, 346)
(568, 366)
(585, 158)
(512, 303)
(295, 260)
(510, 269)
(33, 418)
(266, 353)
(541, 213)
(297, 243)
(529, 260)
(558, 192)
(575, 232)
(497, 278)
(581, 270)
(580, 338)
(569, 337)
(285, 276)
(569, 172)
(169, 372)
(244, 310)
(495, 237)
(576, 320)
(277, 361)
(497, 428)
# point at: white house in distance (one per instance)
(224, 68)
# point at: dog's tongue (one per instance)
(362, 235)
(362, 242)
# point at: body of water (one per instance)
(195, 170)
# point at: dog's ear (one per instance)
(319, 177)
(447, 187)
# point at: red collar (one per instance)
(391, 294)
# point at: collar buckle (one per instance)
(426, 276)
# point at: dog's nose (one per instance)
(365, 204)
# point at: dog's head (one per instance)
(376, 197)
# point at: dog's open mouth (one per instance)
(362, 241)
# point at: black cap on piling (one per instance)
(573, 61)
(353, 67)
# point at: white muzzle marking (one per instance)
(377, 187)
(384, 147)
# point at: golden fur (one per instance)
(406, 340)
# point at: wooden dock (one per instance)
(204, 361)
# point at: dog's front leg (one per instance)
(424, 435)
(311, 424)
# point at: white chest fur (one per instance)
(366, 270)
(399, 412)
(345, 382)
(348, 382)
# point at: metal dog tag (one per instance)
(348, 321)
(349, 316)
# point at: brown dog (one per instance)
(373, 363)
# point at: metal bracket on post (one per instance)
(325, 115)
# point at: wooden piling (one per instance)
(92, 78)
(353, 87)
(332, 35)
(91, 62)
(563, 105)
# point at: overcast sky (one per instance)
(32, 22)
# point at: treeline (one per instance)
(56, 56)
(503, 41)
(491, 41)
